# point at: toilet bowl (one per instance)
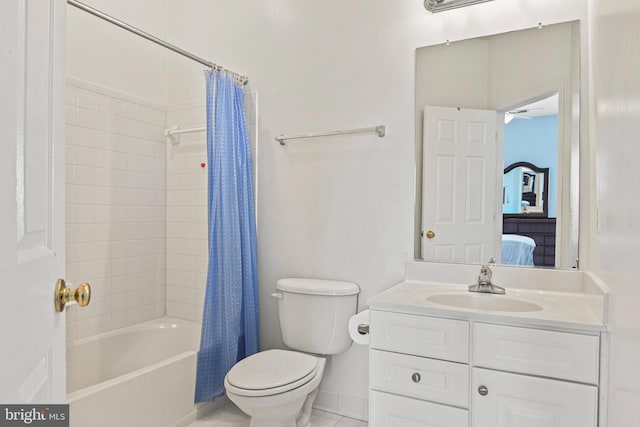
(276, 387)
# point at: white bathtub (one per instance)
(142, 375)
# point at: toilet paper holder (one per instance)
(359, 329)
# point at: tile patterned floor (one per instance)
(230, 416)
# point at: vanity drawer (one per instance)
(388, 410)
(420, 335)
(531, 351)
(429, 379)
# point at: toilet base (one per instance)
(290, 409)
(295, 413)
(304, 418)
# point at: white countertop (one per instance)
(560, 310)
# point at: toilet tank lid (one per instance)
(302, 285)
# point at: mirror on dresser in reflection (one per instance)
(484, 105)
(525, 191)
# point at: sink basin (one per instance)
(487, 302)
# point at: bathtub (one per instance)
(142, 375)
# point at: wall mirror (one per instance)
(482, 106)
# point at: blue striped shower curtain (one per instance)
(230, 318)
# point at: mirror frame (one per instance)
(545, 191)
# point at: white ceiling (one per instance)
(544, 107)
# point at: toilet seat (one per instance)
(271, 372)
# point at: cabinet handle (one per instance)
(483, 390)
(415, 377)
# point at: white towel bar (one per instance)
(380, 130)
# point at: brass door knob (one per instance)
(430, 234)
(63, 295)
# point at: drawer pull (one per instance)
(483, 390)
(415, 377)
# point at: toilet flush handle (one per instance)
(278, 295)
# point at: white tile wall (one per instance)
(115, 207)
(187, 215)
(342, 403)
(136, 208)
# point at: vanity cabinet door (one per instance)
(501, 399)
(388, 410)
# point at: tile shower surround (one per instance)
(187, 228)
(115, 207)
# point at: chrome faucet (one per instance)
(485, 285)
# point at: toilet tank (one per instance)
(314, 314)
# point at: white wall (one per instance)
(494, 72)
(106, 55)
(616, 108)
(338, 207)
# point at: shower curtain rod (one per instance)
(95, 12)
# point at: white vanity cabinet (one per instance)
(437, 372)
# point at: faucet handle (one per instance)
(485, 274)
(492, 261)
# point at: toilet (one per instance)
(277, 388)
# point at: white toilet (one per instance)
(277, 387)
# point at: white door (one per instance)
(32, 356)
(460, 218)
(511, 400)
